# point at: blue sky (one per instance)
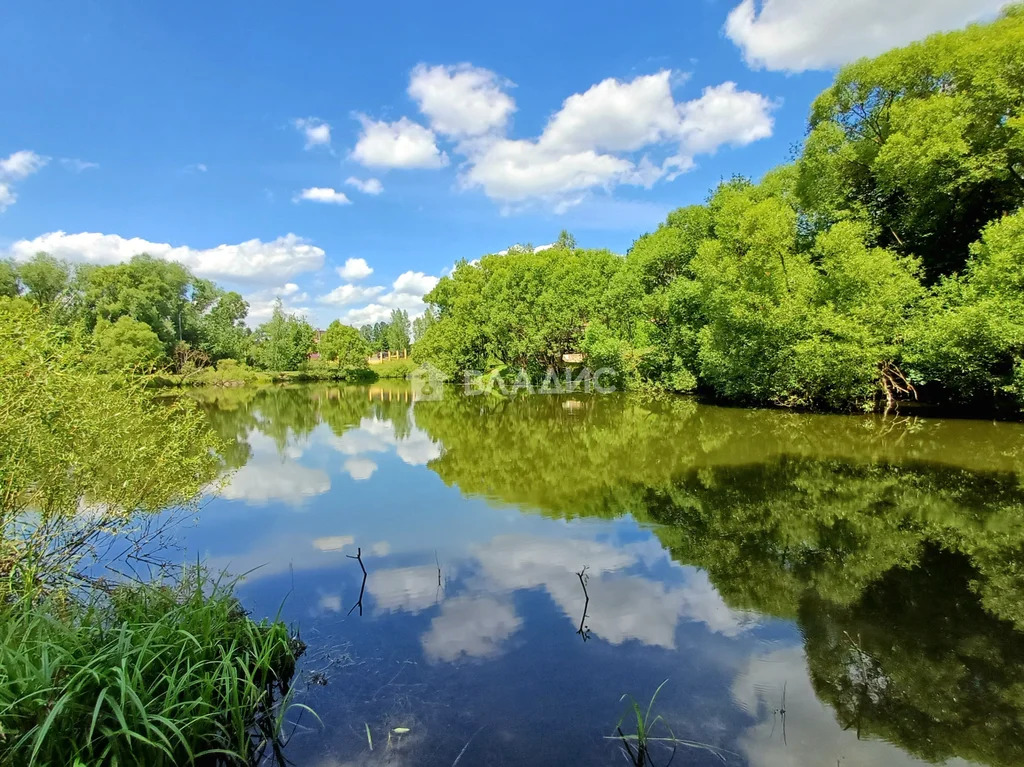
(289, 149)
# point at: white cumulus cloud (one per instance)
(404, 589)
(592, 142)
(615, 116)
(347, 294)
(355, 269)
(615, 132)
(316, 131)
(20, 164)
(724, 115)
(323, 194)
(360, 468)
(367, 186)
(333, 542)
(414, 282)
(15, 167)
(461, 100)
(401, 144)
(265, 481)
(471, 626)
(518, 170)
(252, 261)
(795, 35)
(406, 293)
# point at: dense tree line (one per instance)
(393, 335)
(885, 261)
(150, 314)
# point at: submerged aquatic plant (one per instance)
(153, 674)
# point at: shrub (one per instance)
(394, 368)
(82, 454)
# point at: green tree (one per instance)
(379, 335)
(151, 290)
(344, 346)
(45, 278)
(422, 324)
(926, 142)
(8, 279)
(71, 439)
(522, 309)
(968, 338)
(222, 330)
(398, 330)
(565, 241)
(127, 345)
(284, 341)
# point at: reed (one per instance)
(638, 746)
(154, 674)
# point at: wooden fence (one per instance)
(378, 357)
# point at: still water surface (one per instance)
(817, 590)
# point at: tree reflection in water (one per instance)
(893, 543)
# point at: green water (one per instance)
(815, 589)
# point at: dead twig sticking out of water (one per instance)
(362, 588)
(584, 631)
(441, 587)
(780, 712)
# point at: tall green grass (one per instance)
(638, 747)
(154, 675)
(397, 368)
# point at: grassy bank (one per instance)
(92, 672)
(230, 373)
(153, 675)
(393, 368)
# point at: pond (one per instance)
(816, 590)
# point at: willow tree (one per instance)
(84, 456)
(925, 142)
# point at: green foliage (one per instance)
(345, 347)
(565, 241)
(969, 335)
(45, 278)
(396, 334)
(8, 279)
(522, 309)
(127, 345)
(926, 142)
(886, 256)
(222, 330)
(155, 675)
(284, 341)
(72, 439)
(400, 368)
(421, 324)
(398, 330)
(150, 290)
(228, 372)
(165, 296)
